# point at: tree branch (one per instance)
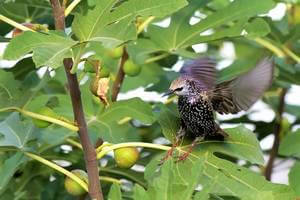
(277, 129)
(120, 77)
(95, 191)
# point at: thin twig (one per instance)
(120, 77)
(95, 191)
(268, 45)
(58, 168)
(145, 24)
(15, 24)
(69, 9)
(277, 129)
(60, 122)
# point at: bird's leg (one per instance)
(179, 135)
(187, 153)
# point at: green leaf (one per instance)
(294, 178)
(25, 10)
(169, 123)
(134, 108)
(115, 192)
(139, 193)
(173, 183)
(9, 89)
(180, 34)
(48, 48)
(238, 181)
(15, 133)
(22, 68)
(113, 25)
(140, 50)
(257, 28)
(8, 169)
(234, 11)
(290, 144)
(135, 176)
(155, 8)
(52, 136)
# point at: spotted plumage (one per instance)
(200, 96)
(196, 113)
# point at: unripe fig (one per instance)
(126, 157)
(131, 69)
(104, 72)
(285, 127)
(47, 112)
(89, 66)
(294, 14)
(73, 187)
(116, 52)
(94, 86)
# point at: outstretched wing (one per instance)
(241, 93)
(202, 70)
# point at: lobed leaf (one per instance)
(115, 192)
(15, 133)
(134, 108)
(294, 178)
(112, 24)
(48, 48)
(290, 145)
(8, 169)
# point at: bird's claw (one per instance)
(167, 156)
(182, 157)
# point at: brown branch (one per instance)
(277, 129)
(120, 77)
(95, 191)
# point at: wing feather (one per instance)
(201, 70)
(241, 93)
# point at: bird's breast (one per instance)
(197, 114)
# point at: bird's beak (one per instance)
(168, 93)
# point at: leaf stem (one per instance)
(15, 24)
(110, 179)
(279, 50)
(69, 9)
(156, 58)
(145, 23)
(74, 143)
(277, 129)
(42, 117)
(59, 169)
(291, 54)
(107, 149)
(268, 45)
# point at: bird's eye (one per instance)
(179, 89)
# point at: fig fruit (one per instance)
(73, 187)
(104, 72)
(131, 69)
(116, 52)
(126, 157)
(47, 112)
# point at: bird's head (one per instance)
(179, 87)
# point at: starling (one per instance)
(200, 96)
